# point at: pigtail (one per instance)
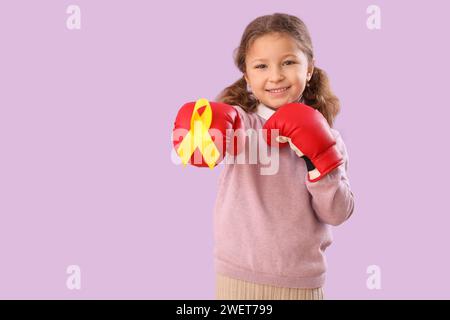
(318, 94)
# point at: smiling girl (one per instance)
(271, 231)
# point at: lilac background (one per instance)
(86, 175)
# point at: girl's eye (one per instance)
(288, 62)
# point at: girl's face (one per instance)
(274, 61)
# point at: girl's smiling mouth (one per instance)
(278, 91)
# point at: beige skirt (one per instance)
(234, 289)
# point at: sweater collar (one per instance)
(264, 111)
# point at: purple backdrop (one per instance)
(86, 176)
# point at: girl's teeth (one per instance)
(279, 90)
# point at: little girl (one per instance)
(271, 231)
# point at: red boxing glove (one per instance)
(309, 135)
(203, 131)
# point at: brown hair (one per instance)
(317, 95)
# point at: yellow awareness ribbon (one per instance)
(199, 137)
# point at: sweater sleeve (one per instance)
(332, 198)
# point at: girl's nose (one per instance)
(276, 75)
